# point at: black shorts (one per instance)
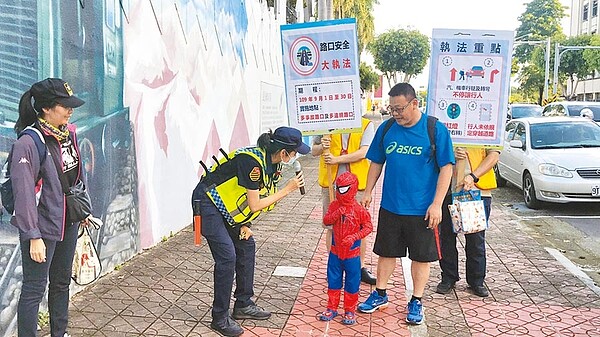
(396, 233)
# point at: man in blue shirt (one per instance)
(417, 178)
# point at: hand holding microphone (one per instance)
(298, 169)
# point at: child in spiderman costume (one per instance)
(351, 222)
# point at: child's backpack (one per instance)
(6, 191)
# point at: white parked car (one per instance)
(573, 108)
(553, 159)
(521, 110)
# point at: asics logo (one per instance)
(404, 149)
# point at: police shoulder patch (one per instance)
(255, 174)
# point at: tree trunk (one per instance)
(540, 95)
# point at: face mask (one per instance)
(290, 161)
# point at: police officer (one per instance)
(229, 196)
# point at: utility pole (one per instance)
(546, 58)
(547, 69)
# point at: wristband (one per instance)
(475, 178)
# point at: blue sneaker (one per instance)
(373, 303)
(415, 312)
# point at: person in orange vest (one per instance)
(479, 174)
(346, 153)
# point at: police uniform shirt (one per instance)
(248, 171)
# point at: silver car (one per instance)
(552, 159)
(573, 108)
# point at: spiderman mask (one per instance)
(346, 188)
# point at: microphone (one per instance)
(298, 169)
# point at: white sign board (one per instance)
(469, 84)
(321, 76)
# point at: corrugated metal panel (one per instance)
(18, 52)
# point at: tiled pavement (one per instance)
(167, 290)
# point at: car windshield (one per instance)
(526, 111)
(575, 110)
(560, 135)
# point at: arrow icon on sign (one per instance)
(492, 74)
(453, 74)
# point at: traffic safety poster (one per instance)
(469, 84)
(322, 81)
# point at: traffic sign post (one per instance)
(558, 52)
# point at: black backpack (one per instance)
(6, 191)
(431, 120)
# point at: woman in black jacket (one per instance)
(47, 238)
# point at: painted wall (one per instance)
(166, 84)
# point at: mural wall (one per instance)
(167, 83)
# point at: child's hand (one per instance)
(245, 233)
(347, 242)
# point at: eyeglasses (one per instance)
(392, 110)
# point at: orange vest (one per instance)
(360, 168)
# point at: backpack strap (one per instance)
(386, 127)
(40, 145)
(38, 139)
(431, 131)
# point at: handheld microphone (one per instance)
(298, 169)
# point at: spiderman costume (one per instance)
(351, 222)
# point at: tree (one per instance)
(362, 10)
(400, 51)
(593, 56)
(540, 20)
(368, 77)
(573, 64)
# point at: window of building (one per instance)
(595, 8)
(585, 11)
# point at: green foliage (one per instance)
(593, 56)
(400, 51)
(540, 20)
(573, 64)
(43, 318)
(368, 77)
(518, 95)
(118, 267)
(362, 10)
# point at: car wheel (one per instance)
(501, 182)
(529, 192)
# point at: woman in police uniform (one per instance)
(229, 196)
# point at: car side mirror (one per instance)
(517, 143)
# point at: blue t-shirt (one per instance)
(410, 175)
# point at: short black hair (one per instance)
(403, 89)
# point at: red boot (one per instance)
(350, 302)
(333, 301)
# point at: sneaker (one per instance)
(349, 318)
(227, 327)
(367, 277)
(328, 315)
(480, 291)
(444, 287)
(373, 302)
(415, 312)
(251, 312)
